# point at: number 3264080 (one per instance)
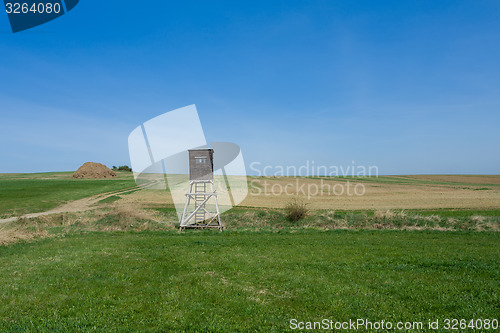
(36, 8)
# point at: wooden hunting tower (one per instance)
(196, 213)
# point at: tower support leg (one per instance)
(200, 216)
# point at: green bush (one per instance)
(124, 168)
(296, 210)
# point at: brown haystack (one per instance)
(94, 170)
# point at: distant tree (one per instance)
(124, 168)
(114, 168)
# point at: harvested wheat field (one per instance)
(369, 193)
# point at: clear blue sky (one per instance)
(409, 86)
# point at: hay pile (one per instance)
(94, 170)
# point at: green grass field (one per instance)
(245, 281)
(122, 267)
(31, 193)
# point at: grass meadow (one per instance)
(245, 281)
(31, 193)
(121, 265)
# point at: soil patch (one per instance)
(94, 170)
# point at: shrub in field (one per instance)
(122, 168)
(296, 210)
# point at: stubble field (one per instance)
(362, 193)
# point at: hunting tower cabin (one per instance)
(201, 164)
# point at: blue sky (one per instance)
(412, 87)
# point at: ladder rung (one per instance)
(201, 193)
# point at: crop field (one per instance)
(104, 255)
(30, 193)
(384, 192)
